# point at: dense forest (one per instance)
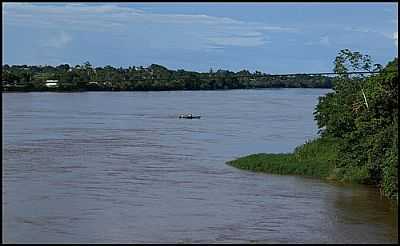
(363, 114)
(358, 124)
(155, 77)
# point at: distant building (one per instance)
(6, 83)
(51, 83)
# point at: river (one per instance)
(120, 167)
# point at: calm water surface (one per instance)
(119, 167)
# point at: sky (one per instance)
(268, 37)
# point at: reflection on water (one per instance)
(119, 167)
(365, 208)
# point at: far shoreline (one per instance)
(231, 89)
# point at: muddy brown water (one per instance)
(120, 167)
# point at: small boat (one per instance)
(189, 116)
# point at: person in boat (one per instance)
(188, 116)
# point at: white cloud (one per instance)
(244, 41)
(325, 41)
(392, 36)
(357, 29)
(58, 41)
(201, 30)
(389, 35)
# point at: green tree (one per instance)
(363, 112)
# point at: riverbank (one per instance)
(359, 129)
(316, 158)
(153, 78)
(11, 89)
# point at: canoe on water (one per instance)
(189, 116)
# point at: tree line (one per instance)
(362, 114)
(358, 126)
(155, 77)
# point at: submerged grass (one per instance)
(315, 158)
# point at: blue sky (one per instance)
(268, 37)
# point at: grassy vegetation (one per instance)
(315, 158)
(359, 131)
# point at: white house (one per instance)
(51, 83)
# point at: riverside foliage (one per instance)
(155, 77)
(358, 125)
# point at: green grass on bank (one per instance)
(315, 158)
